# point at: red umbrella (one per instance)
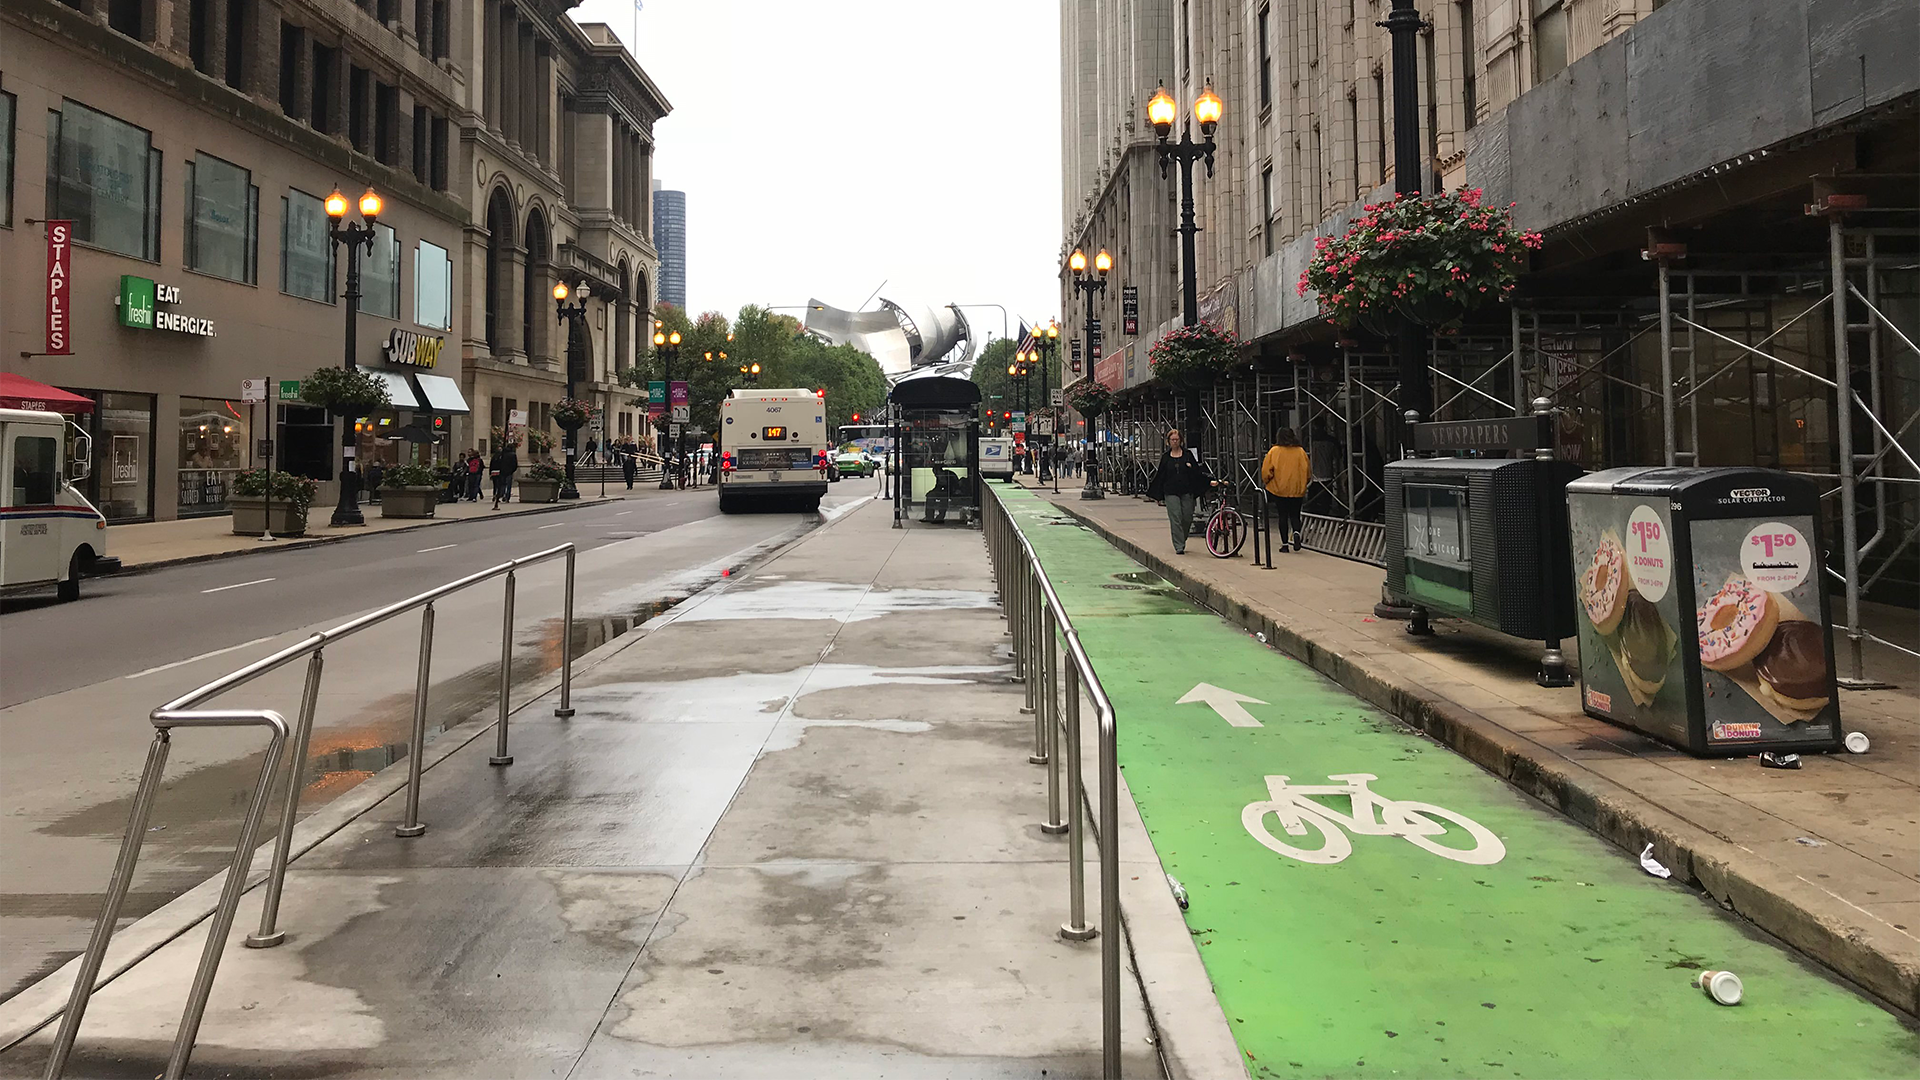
(20, 392)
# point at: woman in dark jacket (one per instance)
(1180, 479)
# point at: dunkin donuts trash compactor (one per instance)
(1702, 618)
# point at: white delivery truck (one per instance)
(773, 450)
(996, 458)
(49, 533)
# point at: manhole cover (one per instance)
(1130, 588)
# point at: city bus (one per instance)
(773, 450)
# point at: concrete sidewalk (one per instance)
(1823, 857)
(791, 831)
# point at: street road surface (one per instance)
(78, 680)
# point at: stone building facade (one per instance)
(191, 145)
(556, 159)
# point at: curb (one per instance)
(1783, 904)
(41, 1003)
(302, 542)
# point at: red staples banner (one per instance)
(59, 278)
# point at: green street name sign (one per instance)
(140, 303)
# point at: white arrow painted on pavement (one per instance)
(1224, 702)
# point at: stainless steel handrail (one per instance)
(1036, 615)
(180, 712)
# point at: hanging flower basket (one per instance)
(1192, 357)
(1090, 398)
(1432, 259)
(538, 442)
(572, 413)
(343, 392)
(502, 439)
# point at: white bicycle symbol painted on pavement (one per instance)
(1417, 823)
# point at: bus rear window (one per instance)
(773, 432)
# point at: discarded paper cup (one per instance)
(1722, 986)
(1857, 742)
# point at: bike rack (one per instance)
(181, 712)
(1040, 625)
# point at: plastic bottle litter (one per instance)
(1772, 760)
(1856, 742)
(1722, 986)
(1179, 891)
(1652, 865)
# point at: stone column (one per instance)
(263, 54)
(543, 98)
(489, 72)
(336, 103)
(528, 88)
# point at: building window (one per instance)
(1266, 58)
(438, 162)
(1469, 65)
(380, 275)
(223, 219)
(1266, 207)
(292, 47)
(122, 429)
(1186, 38)
(1353, 142)
(103, 174)
(306, 254)
(213, 449)
(326, 74)
(200, 35)
(1380, 122)
(422, 146)
(240, 16)
(128, 17)
(432, 286)
(1549, 38)
(359, 106)
(6, 158)
(386, 124)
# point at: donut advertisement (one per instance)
(1699, 602)
(1629, 614)
(1767, 670)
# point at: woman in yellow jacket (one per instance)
(1284, 474)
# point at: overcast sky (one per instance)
(829, 145)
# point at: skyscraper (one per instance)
(670, 240)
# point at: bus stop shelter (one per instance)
(935, 462)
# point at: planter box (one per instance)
(539, 491)
(251, 518)
(409, 502)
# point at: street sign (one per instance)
(252, 390)
(1043, 425)
(1130, 310)
(1075, 342)
(657, 398)
(682, 413)
(677, 393)
(1058, 397)
(289, 389)
(1018, 427)
(595, 427)
(517, 417)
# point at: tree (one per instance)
(712, 351)
(1000, 392)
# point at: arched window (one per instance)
(499, 294)
(536, 311)
(622, 324)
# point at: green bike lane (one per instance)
(1547, 953)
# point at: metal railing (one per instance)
(1040, 626)
(182, 712)
(1361, 541)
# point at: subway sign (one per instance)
(148, 305)
(413, 350)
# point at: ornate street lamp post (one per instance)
(575, 316)
(1161, 111)
(1091, 284)
(667, 347)
(355, 237)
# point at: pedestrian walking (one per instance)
(504, 464)
(1180, 479)
(475, 468)
(629, 467)
(593, 452)
(1284, 474)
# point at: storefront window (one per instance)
(122, 429)
(380, 275)
(213, 447)
(6, 159)
(432, 286)
(103, 174)
(306, 255)
(223, 219)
